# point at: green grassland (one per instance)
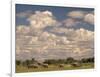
(23, 69)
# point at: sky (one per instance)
(46, 32)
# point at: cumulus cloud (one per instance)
(70, 22)
(89, 18)
(33, 39)
(58, 42)
(77, 35)
(83, 35)
(24, 14)
(85, 16)
(76, 14)
(44, 36)
(23, 29)
(40, 20)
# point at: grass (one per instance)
(22, 69)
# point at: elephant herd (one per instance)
(37, 65)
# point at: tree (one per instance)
(90, 59)
(61, 61)
(87, 60)
(33, 60)
(18, 62)
(27, 62)
(50, 61)
(70, 60)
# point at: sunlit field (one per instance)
(22, 69)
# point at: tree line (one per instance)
(69, 60)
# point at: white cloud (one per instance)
(69, 22)
(17, 49)
(79, 34)
(23, 29)
(33, 39)
(89, 18)
(76, 14)
(40, 20)
(44, 36)
(83, 35)
(24, 14)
